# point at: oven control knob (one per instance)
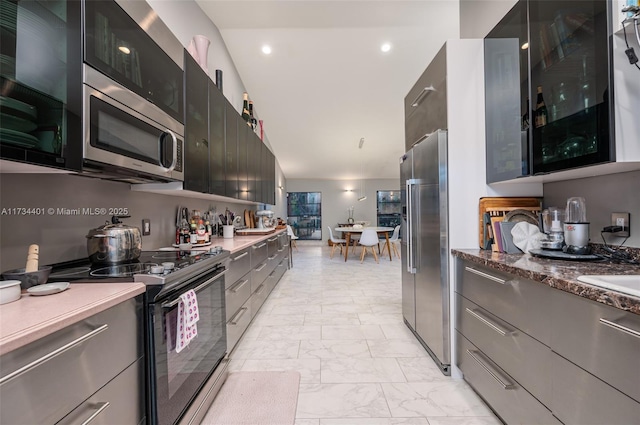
(215, 250)
(168, 266)
(157, 270)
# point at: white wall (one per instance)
(186, 19)
(478, 17)
(336, 201)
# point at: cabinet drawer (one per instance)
(601, 339)
(72, 359)
(521, 302)
(238, 265)
(259, 253)
(238, 324)
(582, 399)
(504, 394)
(519, 355)
(260, 273)
(121, 401)
(260, 295)
(272, 245)
(237, 294)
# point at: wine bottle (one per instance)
(245, 108)
(525, 116)
(253, 120)
(541, 110)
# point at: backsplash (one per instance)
(66, 207)
(603, 195)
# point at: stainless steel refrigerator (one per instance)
(425, 246)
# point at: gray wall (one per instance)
(603, 195)
(336, 200)
(62, 237)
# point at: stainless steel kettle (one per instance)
(114, 242)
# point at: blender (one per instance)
(552, 222)
(576, 227)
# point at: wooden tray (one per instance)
(255, 231)
(498, 207)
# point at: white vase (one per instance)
(202, 47)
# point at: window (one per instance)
(388, 208)
(304, 214)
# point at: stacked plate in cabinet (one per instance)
(18, 120)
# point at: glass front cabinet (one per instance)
(548, 89)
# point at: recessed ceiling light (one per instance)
(124, 49)
(266, 49)
(385, 47)
(525, 45)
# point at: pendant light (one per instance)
(362, 195)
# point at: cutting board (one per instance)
(249, 232)
(498, 207)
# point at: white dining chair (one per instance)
(335, 242)
(369, 239)
(393, 241)
(292, 236)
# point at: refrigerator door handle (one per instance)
(411, 266)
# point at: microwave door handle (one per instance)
(174, 157)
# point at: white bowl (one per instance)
(9, 291)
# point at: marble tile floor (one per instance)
(340, 325)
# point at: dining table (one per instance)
(347, 231)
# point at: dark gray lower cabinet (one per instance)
(252, 274)
(92, 368)
(538, 355)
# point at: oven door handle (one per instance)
(170, 304)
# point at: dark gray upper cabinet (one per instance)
(217, 175)
(507, 115)
(231, 151)
(425, 106)
(196, 129)
(243, 168)
(563, 48)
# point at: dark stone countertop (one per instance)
(559, 274)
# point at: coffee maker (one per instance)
(552, 223)
(576, 227)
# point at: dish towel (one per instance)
(188, 315)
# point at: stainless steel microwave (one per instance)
(127, 137)
(92, 86)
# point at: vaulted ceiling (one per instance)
(327, 84)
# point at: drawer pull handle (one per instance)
(488, 322)
(262, 245)
(493, 374)
(486, 275)
(263, 266)
(273, 256)
(421, 95)
(102, 407)
(244, 254)
(26, 368)
(238, 315)
(619, 327)
(260, 289)
(239, 285)
(273, 239)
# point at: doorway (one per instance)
(304, 214)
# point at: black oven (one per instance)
(176, 378)
(179, 385)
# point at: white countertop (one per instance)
(237, 243)
(33, 317)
